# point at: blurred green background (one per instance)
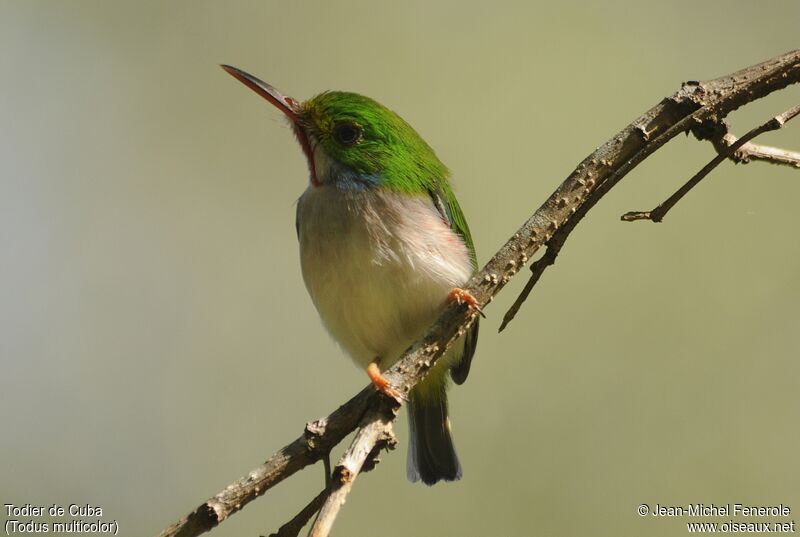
(156, 339)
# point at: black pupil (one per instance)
(347, 133)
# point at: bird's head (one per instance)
(352, 141)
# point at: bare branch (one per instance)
(326, 463)
(375, 434)
(750, 152)
(318, 438)
(693, 104)
(537, 269)
(293, 527)
(382, 437)
(657, 214)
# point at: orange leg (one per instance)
(380, 382)
(459, 296)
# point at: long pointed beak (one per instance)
(284, 103)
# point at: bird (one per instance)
(384, 247)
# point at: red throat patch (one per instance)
(302, 138)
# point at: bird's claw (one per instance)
(382, 384)
(460, 296)
(394, 393)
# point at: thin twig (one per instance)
(657, 214)
(383, 439)
(375, 433)
(293, 527)
(326, 462)
(537, 269)
(764, 153)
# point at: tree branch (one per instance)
(658, 214)
(293, 527)
(318, 438)
(693, 104)
(337, 484)
(749, 152)
(375, 434)
(722, 139)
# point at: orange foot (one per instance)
(459, 296)
(380, 382)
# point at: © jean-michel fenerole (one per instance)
(383, 247)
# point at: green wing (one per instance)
(447, 205)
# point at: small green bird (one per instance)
(383, 247)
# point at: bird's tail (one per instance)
(431, 454)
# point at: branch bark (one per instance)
(316, 442)
(293, 527)
(375, 434)
(723, 139)
(658, 214)
(693, 105)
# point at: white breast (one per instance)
(378, 266)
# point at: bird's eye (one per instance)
(347, 134)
